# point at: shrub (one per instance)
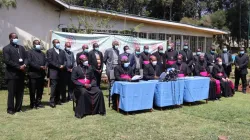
(2, 69)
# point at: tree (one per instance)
(8, 3)
(218, 19)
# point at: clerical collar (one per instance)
(67, 51)
(15, 45)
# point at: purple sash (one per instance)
(84, 81)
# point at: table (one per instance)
(195, 88)
(134, 96)
(169, 93)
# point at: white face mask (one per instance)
(68, 49)
(154, 63)
(220, 63)
(127, 51)
(86, 63)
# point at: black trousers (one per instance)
(98, 77)
(68, 83)
(243, 78)
(57, 88)
(36, 86)
(227, 70)
(15, 91)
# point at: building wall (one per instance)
(119, 24)
(30, 19)
(33, 19)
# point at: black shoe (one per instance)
(39, 106)
(103, 114)
(70, 99)
(79, 117)
(52, 105)
(235, 90)
(32, 106)
(244, 91)
(11, 112)
(59, 103)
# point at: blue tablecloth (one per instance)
(195, 88)
(169, 93)
(134, 96)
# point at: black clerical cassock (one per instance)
(182, 69)
(170, 58)
(226, 86)
(14, 56)
(88, 100)
(160, 57)
(122, 73)
(145, 58)
(188, 59)
(150, 71)
(36, 59)
(201, 69)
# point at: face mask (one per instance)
(220, 63)
(146, 50)
(224, 50)
(212, 52)
(169, 47)
(137, 52)
(38, 47)
(116, 46)
(57, 45)
(97, 49)
(242, 52)
(185, 47)
(154, 63)
(86, 50)
(86, 63)
(160, 51)
(198, 53)
(126, 64)
(15, 41)
(68, 49)
(127, 51)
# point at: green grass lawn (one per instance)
(229, 117)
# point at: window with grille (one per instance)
(162, 37)
(209, 44)
(152, 36)
(193, 41)
(201, 44)
(142, 35)
(178, 42)
(170, 38)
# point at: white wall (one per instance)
(119, 25)
(30, 19)
(35, 18)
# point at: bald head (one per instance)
(201, 58)
(67, 45)
(146, 49)
(84, 46)
(153, 60)
(115, 43)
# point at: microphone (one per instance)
(162, 76)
